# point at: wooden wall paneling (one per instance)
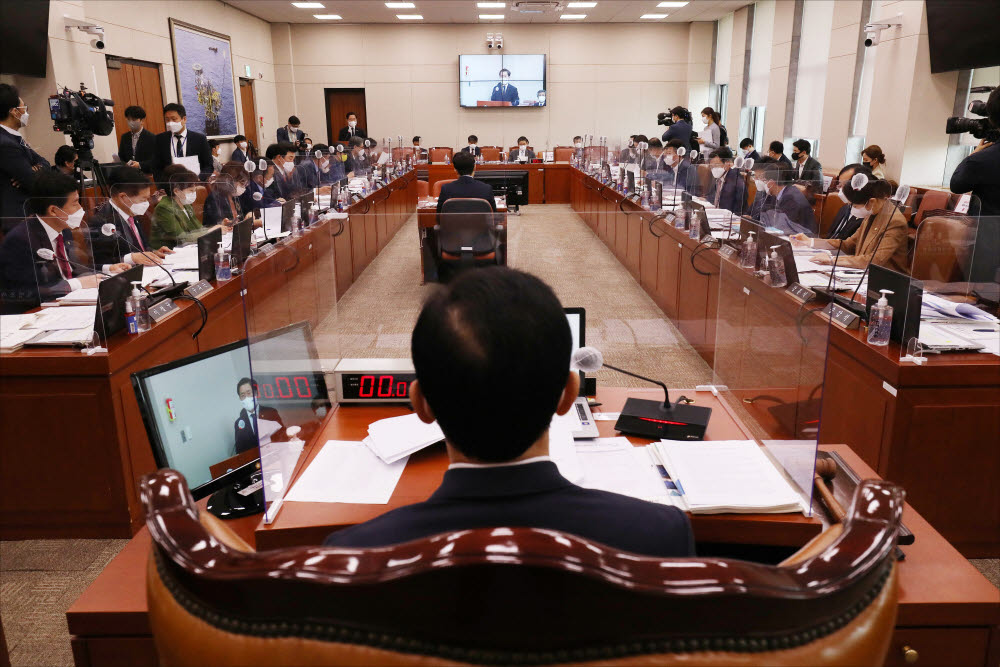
(668, 275)
(343, 248)
(634, 226)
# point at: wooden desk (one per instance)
(935, 429)
(948, 611)
(548, 183)
(74, 445)
(427, 239)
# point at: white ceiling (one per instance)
(466, 11)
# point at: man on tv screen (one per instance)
(503, 91)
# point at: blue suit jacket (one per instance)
(248, 203)
(733, 197)
(532, 495)
(679, 130)
(283, 137)
(238, 156)
(792, 213)
(26, 279)
(16, 162)
(112, 249)
(509, 95)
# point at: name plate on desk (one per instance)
(727, 251)
(842, 317)
(163, 310)
(199, 288)
(268, 249)
(800, 293)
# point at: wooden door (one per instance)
(249, 114)
(339, 101)
(134, 82)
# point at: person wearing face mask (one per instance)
(286, 184)
(653, 153)
(728, 189)
(881, 239)
(419, 153)
(138, 145)
(681, 127)
(291, 134)
(776, 154)
(19, 163)
(216, 162)
(578, 145)
(179, 143)
(540, 99)
(505, 91)
(848, 218)
(874, 159)
(315, 172)
(174, 220)
(252, 417)
(258, 194)
(357, 163)
(710, 138)
(242, 150)
(791, 212)
(748, 151)
(27, 279)
(351, 130)
(673, 170)
(129, 201)
(329, 166)
(805, 167)
(222, 206)
(472, 148)
(522, 153)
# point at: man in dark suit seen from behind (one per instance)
(127, 242)
(351, 130)
(19, 163)
(465, 186)
(748, 151)
(776, 153)
(28, 278)
(792, 213)
(727, 189)
(137, 147)
(178, 141)
(806, 168)
(474, 343)
(291, 134)
(247, 425)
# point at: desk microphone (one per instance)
(642, 417)
(108, 229)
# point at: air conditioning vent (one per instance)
(537, 6)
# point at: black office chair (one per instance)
(468, 236)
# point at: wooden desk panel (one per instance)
(548, 183)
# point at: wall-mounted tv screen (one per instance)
(501, 80)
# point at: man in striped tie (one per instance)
(128, 243)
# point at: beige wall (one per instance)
(602, 79)
(138, 30)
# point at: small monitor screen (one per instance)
(502, 80)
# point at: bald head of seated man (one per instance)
(491, 352)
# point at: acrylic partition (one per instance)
(951, 301)
(290, 303)
(770, 353)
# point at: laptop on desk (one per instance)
(586, 427)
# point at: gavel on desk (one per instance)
(826, 470)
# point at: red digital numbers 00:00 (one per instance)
(287, 387)
(385, 386)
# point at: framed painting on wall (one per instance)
(203, 68)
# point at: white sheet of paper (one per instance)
(347, 472)
(190, 162)
(265, 429)
(562, 448)
(606, 416)
(396, 437)
(272, 220)
(613, 464)
(64, 317)
(84, 295)
(184, 257)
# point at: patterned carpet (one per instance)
(39, 579)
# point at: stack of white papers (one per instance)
(14, 332)
(613, 464)
(65, 317)
(86, 296)
(934, 306)
(727, 476)
(397, 437)
(347, 472)
(184, 257)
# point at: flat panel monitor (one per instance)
(111, 296)
(577, 318)
(481, 86)
(242, 231)
(208, 245)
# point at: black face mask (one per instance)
(796, 155)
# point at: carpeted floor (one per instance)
(39, 579)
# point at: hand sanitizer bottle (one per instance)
(748, 257)
(130, 305)
(880, 321)
(223, 270)
(777, 269)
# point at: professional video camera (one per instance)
(81, 115)
(666, 117)
(980, 128)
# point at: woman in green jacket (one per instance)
(174, 220)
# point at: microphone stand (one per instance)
(174, 289)
(667, 405)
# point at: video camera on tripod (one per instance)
(81, 115)
(980, 128)
(666, 117)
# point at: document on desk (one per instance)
(185, 257)
(613, 464)
(86, 296)
(347, 472)
(64, 317)
(727, 476)
(272, 221)
(562, 446)
(397, 437)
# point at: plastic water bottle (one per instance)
(447, 159)
(880, 320)
(777, 269)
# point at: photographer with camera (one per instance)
(678, 125)
(19, 164)
(980, 172)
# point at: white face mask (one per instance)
(843, 197)
(257, 196)
(324, 165)
(135, 125)
(73, 220)
(174, 126)
(268, 182)
(24, 118)
(289, 167)
(717, 172)
(704, 119)
(669, 158)
(352, 123)
(472, 147)
(578, 144)
(859, 212)
(240, 189)
(522, 148)
(243, 145)
(138, 208)
(541, 100)
(248, 403)
(188, 197)
(761, 185)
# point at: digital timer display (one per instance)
(290, 387)
(376, 386)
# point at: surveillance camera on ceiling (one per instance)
(87, 27)
(873, 31)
